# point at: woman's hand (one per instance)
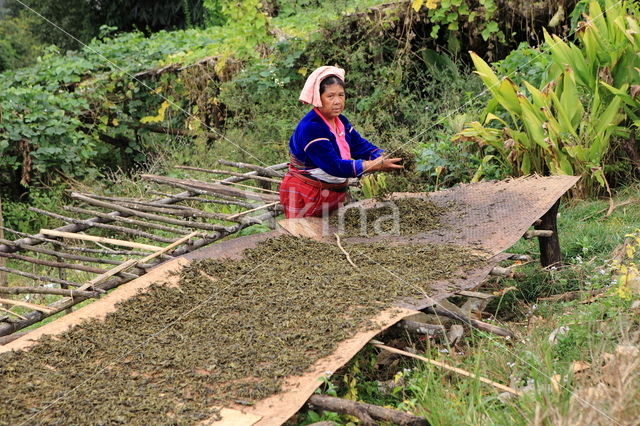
(382, 164)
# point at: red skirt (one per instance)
(303, 197)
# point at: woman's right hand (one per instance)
(382, 164)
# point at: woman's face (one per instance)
(332, 101)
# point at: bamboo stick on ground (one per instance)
(39, 277)
(457, 370)
(115, 228)
(45, 290)
(227, 172)
(113, 241)
(369, 414)
(132, 212)
(33, 306)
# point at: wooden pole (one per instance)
(63, 255)
(549, 245)
(52, 264)
(45, 290)
(38, 277)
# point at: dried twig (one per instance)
(344, 251)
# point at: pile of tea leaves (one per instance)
(404, 216)
(231, 332)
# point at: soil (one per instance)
(231, 332)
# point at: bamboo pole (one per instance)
(259, 169)
(265, 206)
(183, 212)
(127, 220)
(132, 212)
(124, 200)
(207, 200)
(213, 188)
(115, 228)
(227, 172)
(457, 370)
(38, 239)
(38, 277)
(84, 237)
(12, 313)
(45, 290)
(33, 306)
(53, 264)
(63, 255)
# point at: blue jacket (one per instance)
(314, 145)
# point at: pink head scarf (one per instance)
(311, 91)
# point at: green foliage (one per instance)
(566, 125)
(18, 45)
(82, 19)
(450, 15)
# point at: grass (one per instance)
(601, 332)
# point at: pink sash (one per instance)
(343, 146)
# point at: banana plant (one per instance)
(566, 125)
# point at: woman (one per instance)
(326, 150)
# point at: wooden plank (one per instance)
(84, 237)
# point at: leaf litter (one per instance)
(231, 332)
